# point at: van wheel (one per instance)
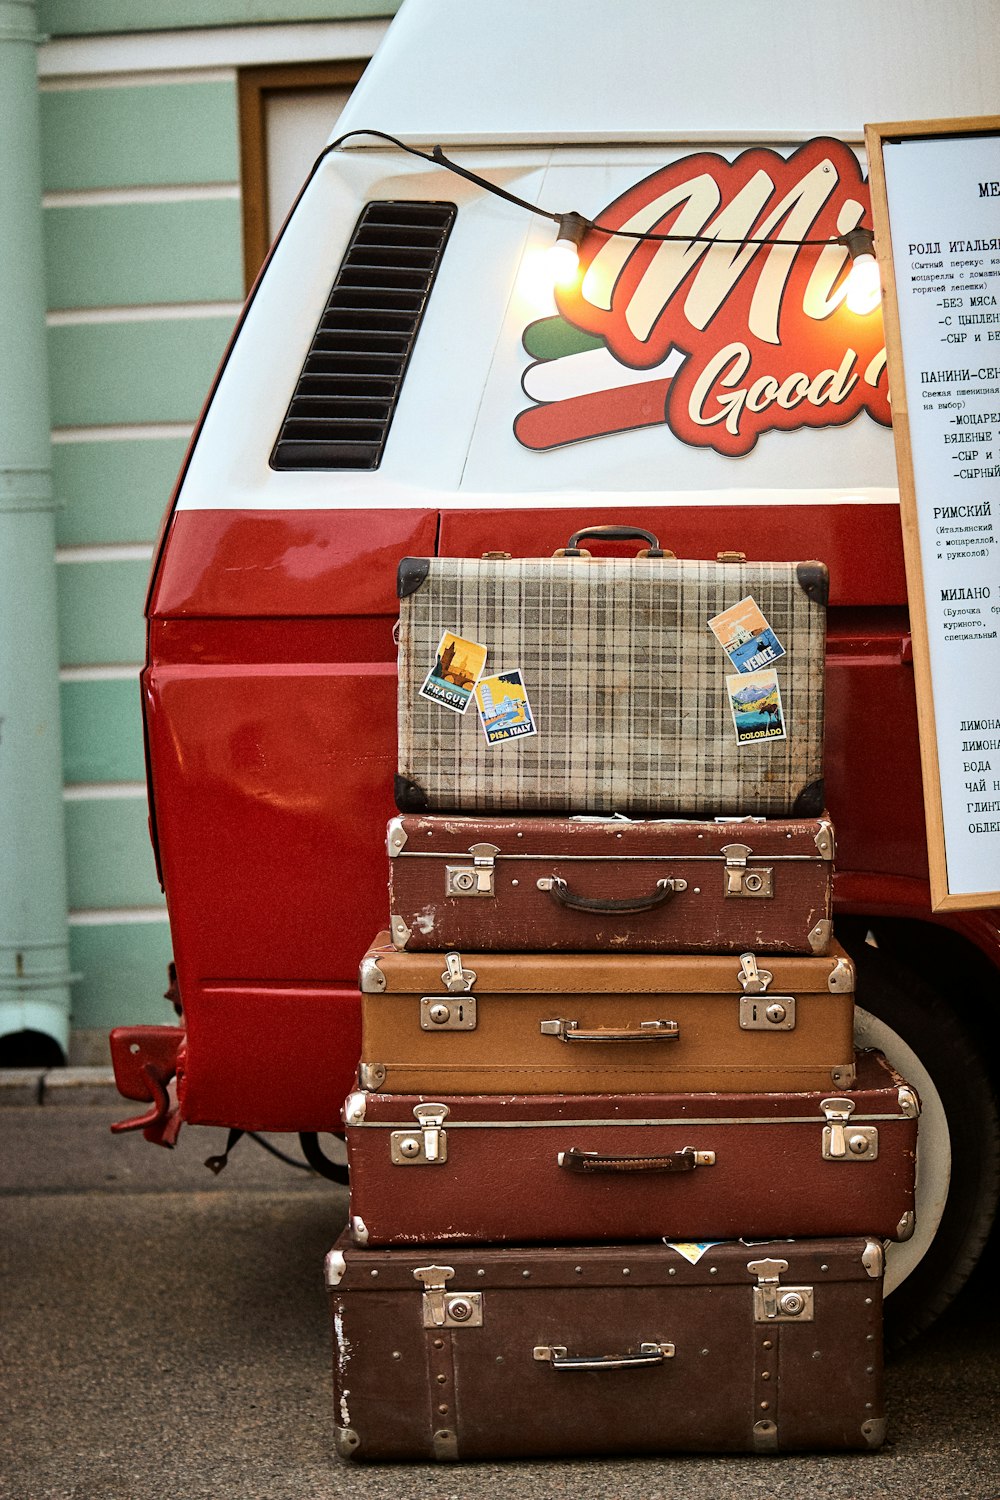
(926, 1038)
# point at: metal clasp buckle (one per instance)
(425, 1146)
(773, 1303)
(475, 879)
(741, 881)
(754, 980)
(456, 979)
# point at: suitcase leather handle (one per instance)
(648, 1354)
(685, 1160)
(563, 896)
(613, 534)
(647, 1031)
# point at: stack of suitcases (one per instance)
(620, 1182)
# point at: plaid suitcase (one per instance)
(502, 1168)
(588, 1023)
(554, 1351)
(593, 885)
(602, 688)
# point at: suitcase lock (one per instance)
(859, 1143)
(774, 1303)
(453, 1013)
(475, 879)
(425, 1145)
(442, 1309)
(741, 881)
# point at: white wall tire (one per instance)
(930, 1036)
(933, 1147)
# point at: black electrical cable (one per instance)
(319, 1161)
(437, 158)
(303, 1166)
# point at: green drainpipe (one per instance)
(34, 938)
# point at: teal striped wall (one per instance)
(144, 279)
(139, 137)
(101, 730)
(113, 492)
(86, 17)
(123, 973)
(136, 254)
(133, 372)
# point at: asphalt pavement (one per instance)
(165, 1334)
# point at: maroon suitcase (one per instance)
(549, 1351)
(480, 1168)
(599, 884)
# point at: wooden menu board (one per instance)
(935, 191)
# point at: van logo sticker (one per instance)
(457, 665)
(720, 342)
(746, 637)
(504, 710)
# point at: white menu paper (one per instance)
(944, 211)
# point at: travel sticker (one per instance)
(504, 710)
(755, 700)
(746, 637)
(691, 1250)
(456, 668)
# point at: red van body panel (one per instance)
(270, 704)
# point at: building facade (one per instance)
(172, 134)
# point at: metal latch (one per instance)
(763, 1013)
(456, 979)
(740, 881)
(442, 1309)
(426, 1146)
(475, 879)
(774, 1303)
(454, 1014)
(860, 1143)
(754, 981)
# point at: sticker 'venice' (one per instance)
(746, 637)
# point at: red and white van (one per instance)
(407, 379)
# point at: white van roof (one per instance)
(569, 71)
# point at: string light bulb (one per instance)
(863, 292)
(564, 255)
(864, 286)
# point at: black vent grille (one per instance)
(343, 404)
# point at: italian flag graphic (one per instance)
(582, 391)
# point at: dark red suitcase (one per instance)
(481, 1168)
(549, 1351)
(603, 884)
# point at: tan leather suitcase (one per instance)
(585, 1023)
(486, 1168)
(475, 1353)
(589, 885)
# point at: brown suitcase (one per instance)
(485, 1352)
(604, 884)
(480, 1168)
(627, 704)
(585, 1023)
